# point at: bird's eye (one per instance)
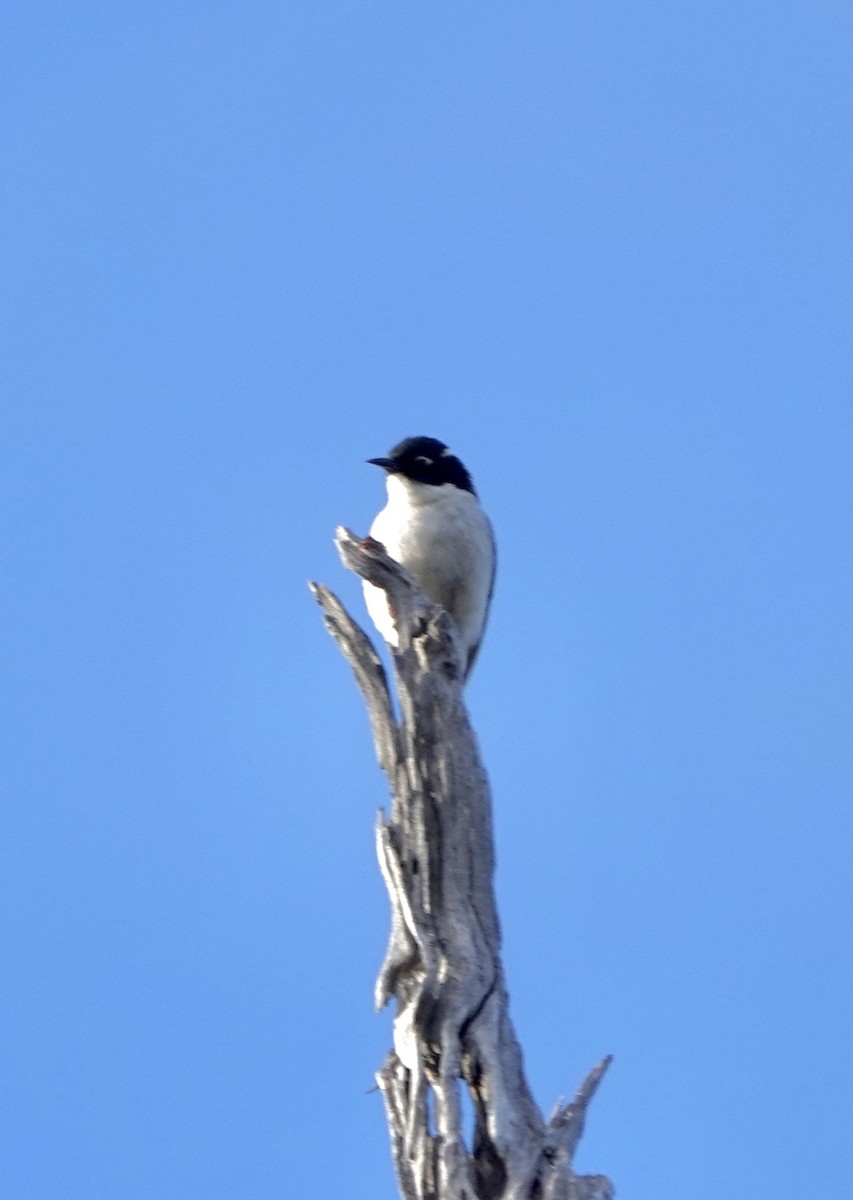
(422, 458)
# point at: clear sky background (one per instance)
(602, 251)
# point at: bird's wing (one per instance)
(474, 651)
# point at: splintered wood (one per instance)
(442, 967)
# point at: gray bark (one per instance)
(442, 967)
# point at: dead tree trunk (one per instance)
(443, 965)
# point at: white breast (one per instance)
(443, 538)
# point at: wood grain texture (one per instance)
(442, 967)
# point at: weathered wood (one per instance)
(442, 966)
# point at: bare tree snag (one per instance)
(443, 966)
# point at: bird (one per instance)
(434, 526)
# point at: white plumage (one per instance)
(440, 534)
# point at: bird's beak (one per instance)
(387, 464)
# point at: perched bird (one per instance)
(433, 525)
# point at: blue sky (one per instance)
(602, 251)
